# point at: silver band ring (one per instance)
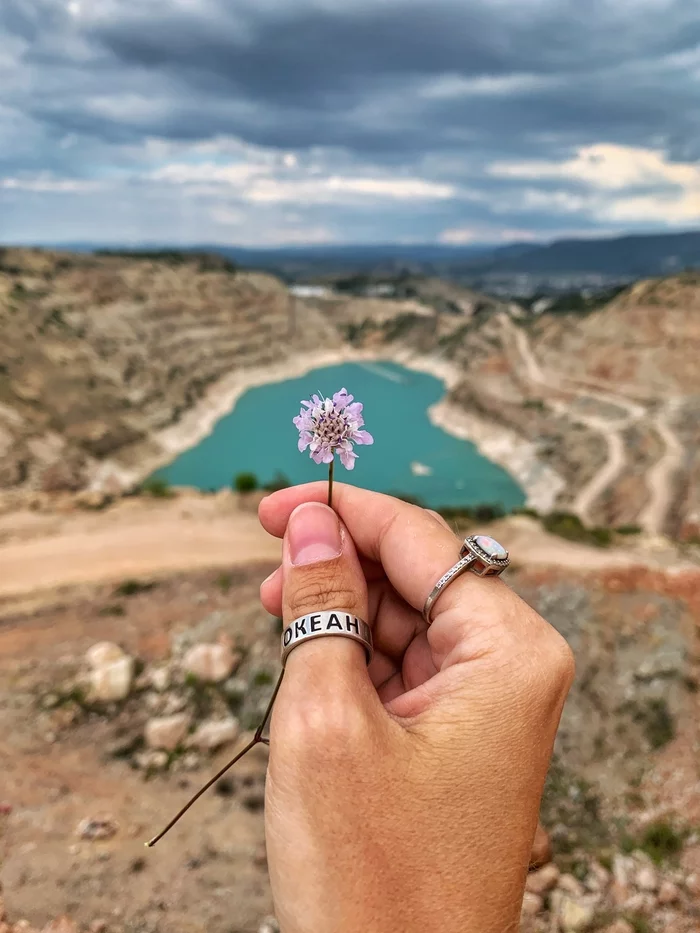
(481, 555)
(322, 624)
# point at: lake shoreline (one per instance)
(497, 444)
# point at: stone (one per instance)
(491, 547)
(102, 654)
(574, 915)
(623, 869)
(541, 881)
(533, 904)
(214, 733)
(692, 884)
(235, 689)
(111, 683)
(101, 827)
(210, 663)
(570, 885)
(641, 902)
(61, 925)
(174, 703)
(668, 893)
(541, 848)
(151, 760)
(619, 926)
(598, 878)
(92, 499)
(167, 732)
(269, 925)
(646, 878)
(160, 679)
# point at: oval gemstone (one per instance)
(491, 547)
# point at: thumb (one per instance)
(321, 571)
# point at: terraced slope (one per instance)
(98, 353)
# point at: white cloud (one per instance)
(451, 87)
(47, 185)
(606, 165)
(609, 171)
(458, 236)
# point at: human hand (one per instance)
(403, 797)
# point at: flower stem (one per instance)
(330, 482)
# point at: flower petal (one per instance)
(342, 399)
(347, 458)
(305, 439)
(362, 437)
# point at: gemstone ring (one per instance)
(480, 554)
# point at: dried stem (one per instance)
(330, 482)
(257, 738)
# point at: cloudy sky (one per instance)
(264, 122)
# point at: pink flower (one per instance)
(326, 425)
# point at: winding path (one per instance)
(659, 478)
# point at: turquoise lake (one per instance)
(258, 437)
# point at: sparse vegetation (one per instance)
(157, 487)
(487, 512)
(658, 722)
(245, 482)
(278, 481)
(133, 588)
(114, 609)
(569, 526)
(629, 530)
(661, 841)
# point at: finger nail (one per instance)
(267, 579)
(313, 534)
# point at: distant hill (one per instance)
(638, 256)
(625, 257)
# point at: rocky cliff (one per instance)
(103, 354)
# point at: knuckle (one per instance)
(321, 589)
(323, 733)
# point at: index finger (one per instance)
(414, 548)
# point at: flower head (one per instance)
(329, 424)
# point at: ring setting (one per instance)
(479, 554)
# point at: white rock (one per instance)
(669, 893)
(570, 885)
(542, 881)
(692, 883)
(214, 733)
(160, 679)
(103, 653)
(623, 869)
(533, 904)
(210, 663)
(598, 878)
(167, 732)
(619, 926)
(574, 914)
(111, 683)
(646, 879)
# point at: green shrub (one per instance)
(569, 526)
(157, 487)
(278, 481)
(245, 482)
(132, 588)
(661, 841)
(629, 530)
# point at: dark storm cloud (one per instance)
(431, 89)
